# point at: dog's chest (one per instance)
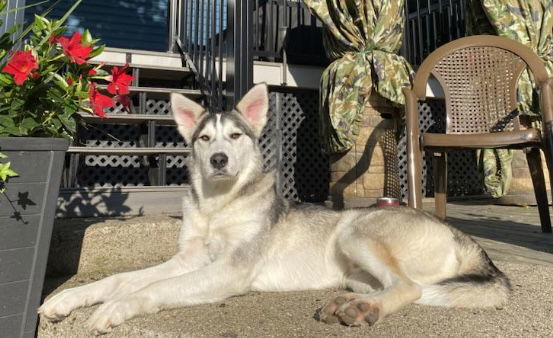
(215, 244)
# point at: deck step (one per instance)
(128, 151)
(160, 90)
(141, 59)
(161, 120)
(110, 244)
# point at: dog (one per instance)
(239, 235)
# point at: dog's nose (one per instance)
(219, 160)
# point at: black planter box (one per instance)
(27, 210)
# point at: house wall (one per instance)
(132, 24)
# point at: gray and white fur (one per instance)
(239, 235)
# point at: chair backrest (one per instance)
(479, 76)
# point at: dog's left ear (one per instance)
(254, 107)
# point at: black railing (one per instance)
(221, 38)
(202, 28)
(429, 24)
(275, 25)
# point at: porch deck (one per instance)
(511, 235)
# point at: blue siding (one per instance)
(133, 24)
(204, 17)
(12, 18)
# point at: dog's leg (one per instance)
(192, 256)
(397, 289)
(212, 283)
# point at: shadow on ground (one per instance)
(510, 230)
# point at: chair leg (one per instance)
(439, 161)
(414, 179)
(536, 171)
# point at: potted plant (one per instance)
(44, 85)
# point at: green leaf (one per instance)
(39, 23)
(60, 81)
(97, 51)
(6, 171)
(6, 79)
(28, 123)
(86, 38)
(69, 123)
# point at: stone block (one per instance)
(372, 181)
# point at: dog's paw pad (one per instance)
(327, 313)
(359, 312)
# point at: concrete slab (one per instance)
(290, 314)
(511, 235)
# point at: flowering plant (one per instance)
(48, 81)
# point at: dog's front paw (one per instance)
(114, 313)
(62, 304)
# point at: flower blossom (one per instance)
(120, 81)
(99, 101)
(20, 65)
(74, 49)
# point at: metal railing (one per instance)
(429, 24)
(219, 39)
(273, 21)
(199, 28)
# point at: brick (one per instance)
(373, 181)
(344, 163)
(373, 193)
(519, 159)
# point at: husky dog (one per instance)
(239, 235)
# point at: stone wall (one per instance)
(521, 191)
(370, 168)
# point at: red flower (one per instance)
(69, 80)
(92, 72)
(99, 101)
(52, 40)
(35, 75)
(20, 65)
(120, 81)
(74, 49)
(124, 100)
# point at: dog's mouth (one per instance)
(221, 174)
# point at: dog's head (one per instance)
(223, 144)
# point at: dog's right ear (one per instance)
(186, 113)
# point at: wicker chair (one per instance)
(479, 76)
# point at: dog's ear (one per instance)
(254, 107)
(186, 113)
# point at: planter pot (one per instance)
(27, 210)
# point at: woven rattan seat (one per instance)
(479, 77)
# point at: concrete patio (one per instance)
(85, 250)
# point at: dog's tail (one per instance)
(479, 282)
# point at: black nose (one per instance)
(219, 160)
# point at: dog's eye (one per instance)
(235, 136)
(204, 138)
